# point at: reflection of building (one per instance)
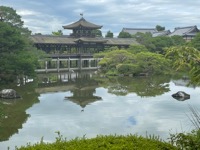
(83, 96)
(83, 91)
(80, 84)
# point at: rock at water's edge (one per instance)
(9, 94)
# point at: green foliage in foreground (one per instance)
(132, 142)
(190, 141)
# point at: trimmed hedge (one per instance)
(129, 142)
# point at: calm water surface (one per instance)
(80, 105)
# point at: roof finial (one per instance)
(81, 14)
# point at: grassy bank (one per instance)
(111, 142)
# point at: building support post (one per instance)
(68, 65)
(46, 66)
(58, 65)
(89, 63)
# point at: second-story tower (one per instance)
(82, 28)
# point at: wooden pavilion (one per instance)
(82, 40)
(75, 51)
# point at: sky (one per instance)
(45, 16)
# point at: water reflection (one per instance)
(181, 98)
(13, 114)
(117, 105)
(82, 85)
(84, 90)
(142, 86)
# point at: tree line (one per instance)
(17, 54)
(154, 56)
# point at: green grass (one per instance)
(110, 142)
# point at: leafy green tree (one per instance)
(113, 58)
(126, 62)
(11, 39)
(17, 55)
(160, 28)
(160, 43)
(152, 63)
(57, 33)
(124, 35)
(8, 15)
(196, 42)
(97, 33)
(185, 58)
(145, 39)
(178, 40)
(157, 44)
(137, 49)
(109, 34)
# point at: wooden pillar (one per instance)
(80, 63)
(58, 65)
(46, 66)
(89, 63)
(96, 62)
(68, 63)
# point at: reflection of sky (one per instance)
(113, 115)
(132, 120)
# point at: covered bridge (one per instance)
(81, 40)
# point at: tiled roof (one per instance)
(83, 23)
(161, 33)
(181, 31)
(50, 39)
(141, 30)
(120, 41)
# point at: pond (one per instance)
(86, 105)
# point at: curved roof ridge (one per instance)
(140, 28)
(83, 23)
(185, 27)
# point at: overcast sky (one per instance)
(45, 16)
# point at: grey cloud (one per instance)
(112, 14)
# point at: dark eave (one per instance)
(65, 40)
(50, 39)
(91, 40)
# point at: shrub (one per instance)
(128, 69)
(110, 142)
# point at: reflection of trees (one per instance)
(13, 113)
(142, 86)
(152, 86)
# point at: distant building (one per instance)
(133, 31)
(161, 33)
(188, 33)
